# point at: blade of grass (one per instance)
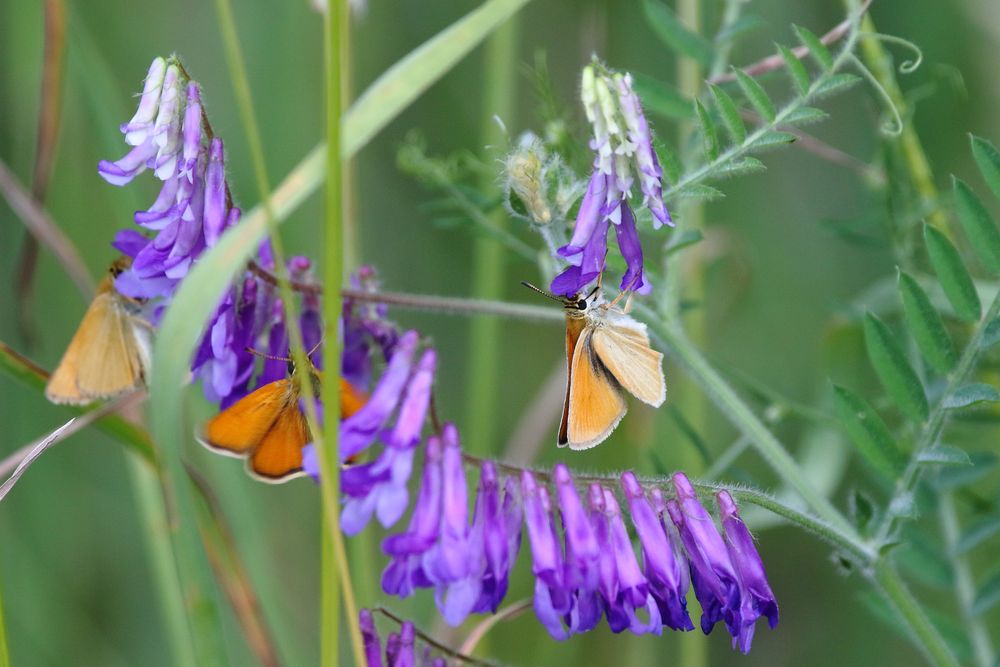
(4, 653)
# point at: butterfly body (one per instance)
(606, 352)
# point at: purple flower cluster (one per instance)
(168, 136)
(400, 647)
(623, 144)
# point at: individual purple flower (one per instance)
(756, 597)
(358, 431)
(400, 652)
(222, 359)
(500, 527)
(369, 635)
(650, 173)
(379, 487)
(663, 563)
(712, 574)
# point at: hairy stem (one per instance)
(965, 588)
(899, 596)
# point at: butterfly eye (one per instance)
(581, 304)
(291, 367)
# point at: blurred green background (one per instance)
(76, 579)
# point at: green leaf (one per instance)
(675, 35)
(988, 595)
(661, 98)
(978, 225)
(796, 70)
(756, 95)
(773, 139)
(983, 464)
(862, 510)
(740, 167)
(805, 116)
(709, 132)
(868, 432)
(991, 334)
(835, 83)
(926, 325)
(684, 239)
(817, 49)
(952, 274)
(988, 159)
(977, 533)
(971, 394)
(893, 369)
(699, 191)
(944, 455)
(730, 114)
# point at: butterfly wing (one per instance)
(595, 403)
(105, 358)
(278, 457)
(242, 426)
(625, 352)
(574, 326)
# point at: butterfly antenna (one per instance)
(314, 348)
(264, 355)
(541, 291)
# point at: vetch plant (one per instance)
(317, 381)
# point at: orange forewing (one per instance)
(574, 326)
(596, 403)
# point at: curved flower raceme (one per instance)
(623, 153)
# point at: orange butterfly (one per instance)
(606, 351)
(110, 351)
(269, 430)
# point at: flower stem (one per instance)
(488, 255)
(899, 596)
(964, 585)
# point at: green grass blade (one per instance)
(402, 83)
(926, 326)
(952, 274)
(893, 369)
(4, 651)
(978, 225)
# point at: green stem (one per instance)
(335, 63)
(899, 596)
(881, 66)
(935, 424)
(488, 255)
(4, 652)
(155, 524)
(964, 584)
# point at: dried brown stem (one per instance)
(777, 62)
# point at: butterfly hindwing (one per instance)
(596, 404)
(626, 353)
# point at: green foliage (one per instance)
(756, 94)
(971, 394)
(817, 49)
(796, 70)
(730, 115)
(893, 369)
(977, 533)
(988, 159)
(661, 98)
(709, 131)
(954, 277)
(868, 432)
(675, 35)
(926, 326)
(978, 225)
(987, 595)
